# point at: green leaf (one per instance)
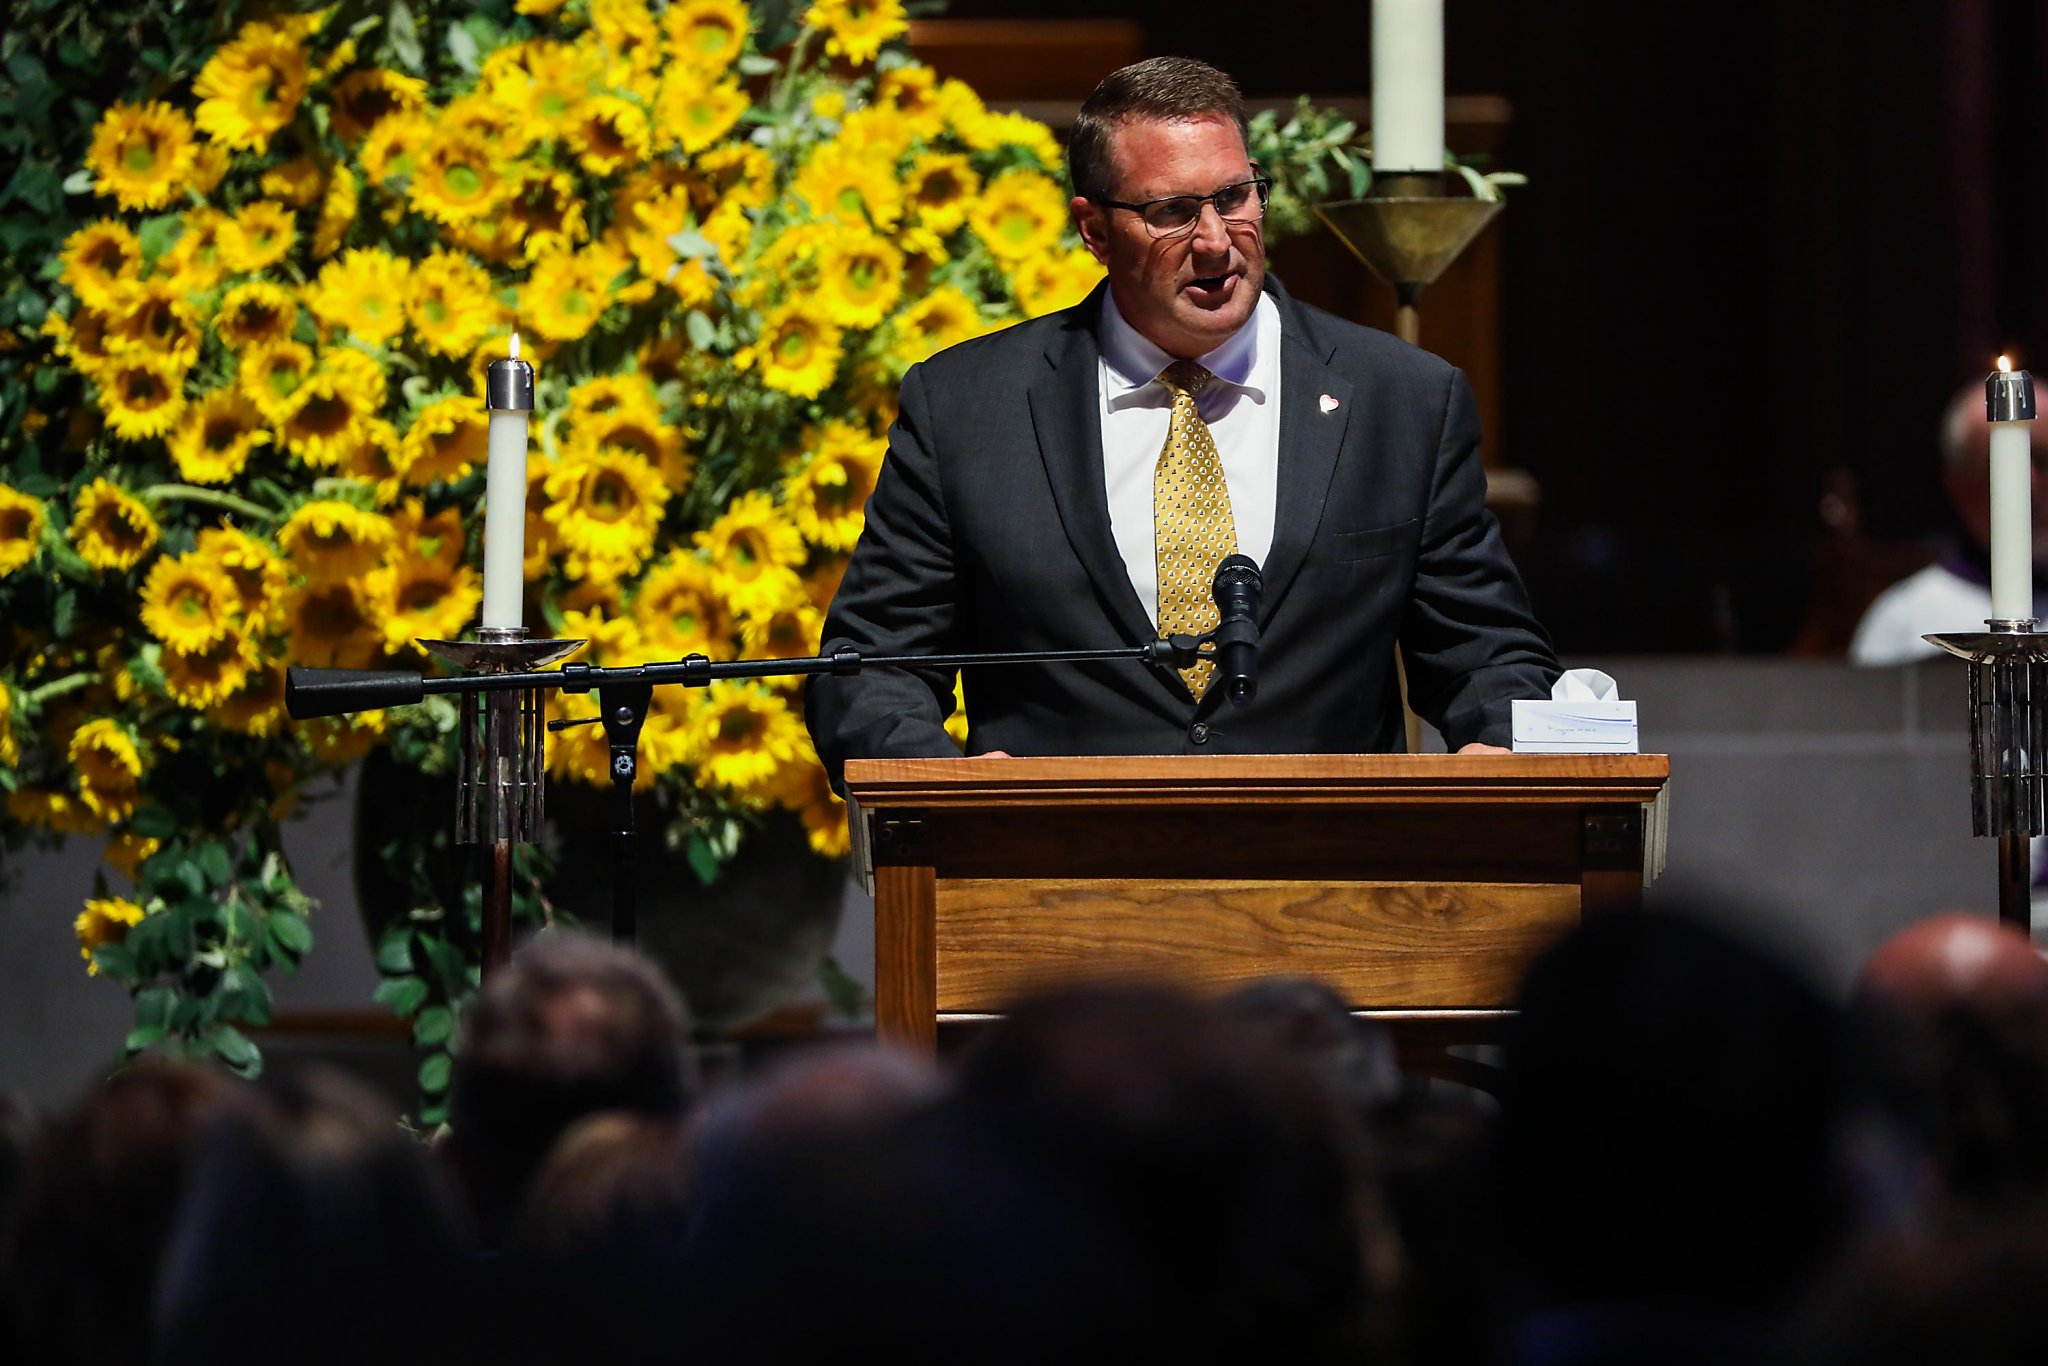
(434, 1073)
(433, 1026)
(691, 245)
(153, 1007)
(702, 333)
(394, 951)
(116, 961)
(405, 38)
(754, 64)
(235, 1050)
(704, 860)
(291, 932)
(403, 994)
(212, 859)
(158, 235)
(154, 822)
(141, 1037)
(63, 612)
(462, 47)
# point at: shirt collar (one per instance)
(1132, 362)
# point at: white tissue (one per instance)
(1585, 715)
(1584, 685)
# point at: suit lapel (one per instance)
(1065, 413)
(1311, 435)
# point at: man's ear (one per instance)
(1091, 220)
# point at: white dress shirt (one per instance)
(1242, 409)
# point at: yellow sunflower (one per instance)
(791, 631)
(941, 185)
(337, 741)
(337, 212)
(209, 168)
(154, 316)
(912, 89)
(626, 31)
(22, 520)
(1019, 215)
(706, 35)
(363, 293)
(335, 625)
(258, 574)
(254, 313)
(805, 789)
(205, 677)
(879, 131)
(826, 495)
(111, 528)
(187, 603)
(944, 317)
(451, 302)
(391, 148)
(425, 598)
(365, 98)
(449, 438)
(197, 261)
(603, 507)
(740, 735)
(797, 353)
(98, 259)
(737, 174)
(754, 551)
(127, 850)
(330, 540)
(991, 131)
(10, 751)
(544, 212)
(1048, 283)
(58, 812)
(108, 764)
(212, 442)
(105, 920)
(270, 373)
(679, 611)
(579, 753)
(251, 88)
(695, 110)
(297, 182)
(608, 132)
(613, 640)
(141, 154)
(257, 706)
(259, 236)
(142, 395)
(860, 277)
(839, 182)
(857, 29)
(379, 458)
(357, 371)
(567, 294)
(636, 428)
(325, 421)
(456, 180)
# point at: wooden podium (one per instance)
(1419, 886)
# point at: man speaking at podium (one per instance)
(1074, 482)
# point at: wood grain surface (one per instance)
(1385, 945)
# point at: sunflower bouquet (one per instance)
(722, 238)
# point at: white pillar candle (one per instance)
(508, 387)
(1407, 85)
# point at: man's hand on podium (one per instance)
(1477, 748)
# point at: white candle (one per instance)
(1408, 85)
(2009, 401)
(508, 389)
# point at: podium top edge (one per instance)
(1412, 777)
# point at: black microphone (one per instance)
(332, 692)
(1237, 589)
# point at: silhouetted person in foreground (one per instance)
(100, 1189)
(1965, 1000)
(1669, 1159)
(573, 1026)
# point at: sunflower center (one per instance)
(609, 497)
(436, 310)
(139, 158)
(793, 347)
(463, 181)
(1017, 226)
(323, 415)
(737, 727)
(849, 200)
(220, 434)
(422, 593)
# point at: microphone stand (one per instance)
(624, 695)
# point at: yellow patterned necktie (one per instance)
(1192, 526)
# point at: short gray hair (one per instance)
(1169, 89)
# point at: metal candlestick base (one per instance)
(2008, 747)
(501, 776)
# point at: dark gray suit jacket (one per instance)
(989, 530)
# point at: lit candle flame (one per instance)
(2004, 365)
(515, 351)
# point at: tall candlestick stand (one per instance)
(1408, 233)
(501, 764)
(2008, 744)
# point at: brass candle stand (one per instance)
(1408, 234)
(2008, 749)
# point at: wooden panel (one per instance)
(905, 1010)
(1382, 944)
(1212, 840)
(1009, 59)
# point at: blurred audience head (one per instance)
(1308, 1021)
(1673, 1120)
(1966, 468)
(311, 1219)
(571, 1027)
(1964, 1000)
(100, 1188)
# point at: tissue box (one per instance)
(1577, 727)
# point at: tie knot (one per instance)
(1185, 379)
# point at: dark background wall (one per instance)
(1762, 244)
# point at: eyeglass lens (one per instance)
(1244, 202)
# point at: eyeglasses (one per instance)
(1244, 202)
